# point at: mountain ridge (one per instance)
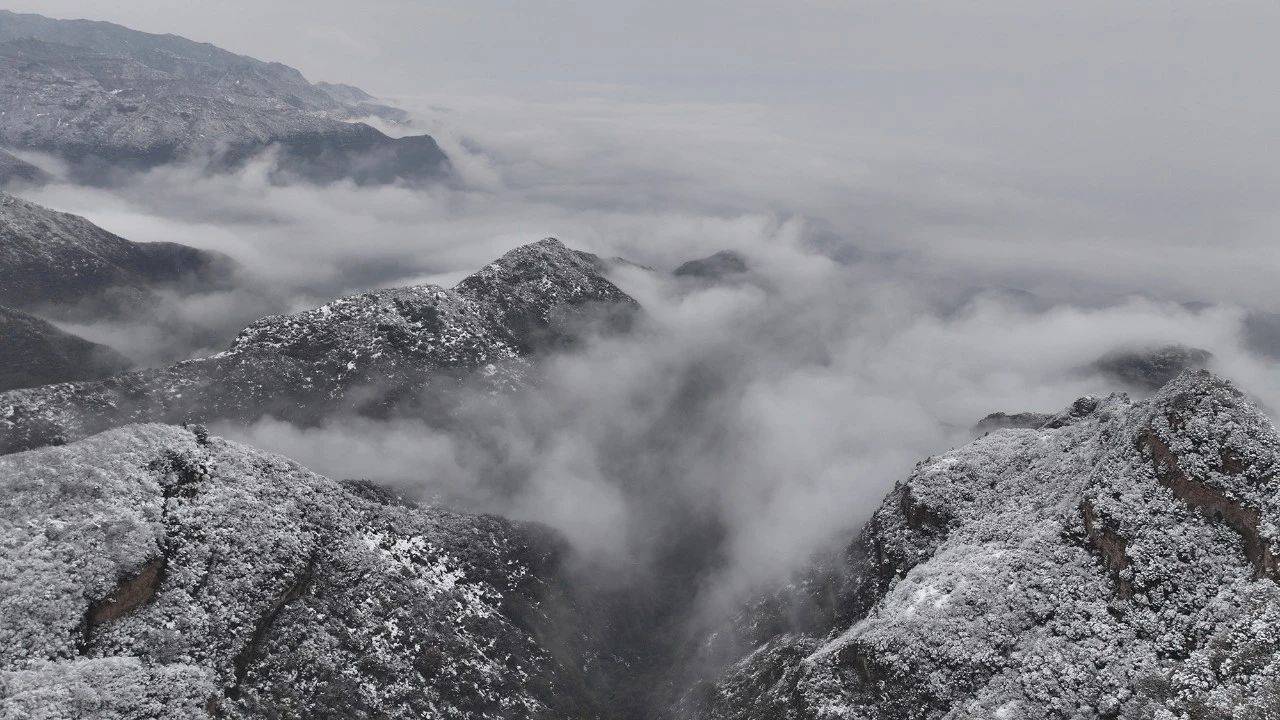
(1104, 568)
(109, 99)
(64, 264)
(34, 352)
(169, 572)
(371, 353)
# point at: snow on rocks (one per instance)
(370, 353)
(1119, 565)
(275, 593)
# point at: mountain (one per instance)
(155, 571)
(58, 261)
(374, 353)
(106, 98)
(1035, 420)
(16, 171)
(714, 267)
(34, 352)
(1120, 565)
(1150, 368)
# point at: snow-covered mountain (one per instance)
(154, 571)
(374, 353)
(1119, 563)
(107, 98)
(1117, 560)
(34, 352)
(63, 263)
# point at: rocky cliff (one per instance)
(1120, 565)
(154, 571)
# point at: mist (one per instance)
(922, 252)
(766, 415)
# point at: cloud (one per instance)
(764, 418)
(954, 215)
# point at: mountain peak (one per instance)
(369, 353)
(541, 291)
(992, 580)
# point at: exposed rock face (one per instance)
(16, 171)
(1121, 565)
(721, 265)
(398, 349)
(107, 98)
(1151, 368)
(1081, 408)
(153, 571)
(65, 263)
(34, 352)
(1003, 421)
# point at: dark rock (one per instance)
(1002, 420)
(35, 352)
(68, 266)
(1081, 408)
(1151, 368)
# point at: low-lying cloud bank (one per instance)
(897, 295)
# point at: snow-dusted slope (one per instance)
(369, 353)
(34, 352)
(55, 260)
(153, 571)
(1120, 565)
(108, 98)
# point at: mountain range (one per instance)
(373, 354)
(1117, 558)
(108, 99)
(65, 265)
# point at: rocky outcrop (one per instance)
(397, 350)
(1004, 421)
(154, 571)
(1120, 565)
(108, 99)
(35, 352)
(1081, 408)
(1150, 368)
(65, 265)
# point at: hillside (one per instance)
(396, 350)
(164, 573)
(108, 99)
(35, 352)
(1120, 565)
